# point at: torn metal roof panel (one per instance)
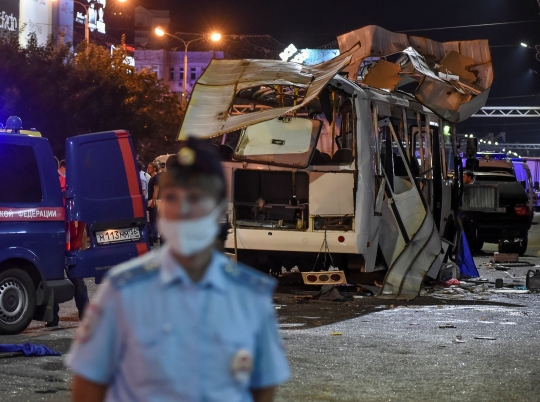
(450, 75)
(208, 114)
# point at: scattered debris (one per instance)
(291, 325)
(533, 281)
(514, 291)
(487, 338)
(329, 292)
(457, 339)
(336, 333)
(447, 326)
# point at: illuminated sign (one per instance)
(129, 60)
(308, 56)
(96, 12)
(9, 15)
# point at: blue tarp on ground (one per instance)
(29, 349)
(465, 261)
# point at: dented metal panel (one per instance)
(208, 114)
(409, 239)
(404, 278)
(454, 77)
(331, 194)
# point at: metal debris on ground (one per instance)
(457, 339)
(336, 333)
(486, 338)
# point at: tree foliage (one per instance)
(64, 93)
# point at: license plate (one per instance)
(118, 236)
(500, 210)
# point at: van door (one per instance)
(104, 196)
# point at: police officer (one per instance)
(183, 323)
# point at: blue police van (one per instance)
(48, 235)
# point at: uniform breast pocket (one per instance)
(151, 352)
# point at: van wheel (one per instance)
(17, 301)
(523, 245)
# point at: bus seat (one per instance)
(343, 156)
(326, 157)
(317, 158)
(226, 152)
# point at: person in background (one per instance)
(205, 329)
(76, 231)
(153, 190)
(144, 180)
(468, 177)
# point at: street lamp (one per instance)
(215, 37)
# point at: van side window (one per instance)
(20, 175)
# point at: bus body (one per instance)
(328, 173)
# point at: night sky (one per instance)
(316, 23)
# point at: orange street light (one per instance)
(214, 36)
(159, 31)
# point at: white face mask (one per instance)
(188, 237)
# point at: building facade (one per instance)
(169, 66)
(41, 17)
(146, 21)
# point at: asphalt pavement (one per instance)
(451, 347)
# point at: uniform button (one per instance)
(167, 327)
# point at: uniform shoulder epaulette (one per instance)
(244, 275)
(134, 270)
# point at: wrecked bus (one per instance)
(351, 159)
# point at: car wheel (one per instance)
(17, 301)
(476, 245)
(523, 245)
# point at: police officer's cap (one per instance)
(197, 157)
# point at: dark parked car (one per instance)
(496, 207)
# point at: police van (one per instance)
(42, 227)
